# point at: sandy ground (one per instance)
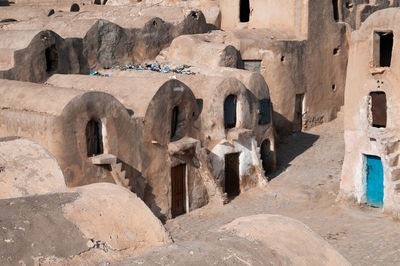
(305, 187)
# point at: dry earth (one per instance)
(305, 188)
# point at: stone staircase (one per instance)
(117, 173)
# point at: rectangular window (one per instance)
(244, 15)
(335, 7)
(378, 109)
(264, 111)
(383, 46)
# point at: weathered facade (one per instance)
(163, 116)
(36, 55)
(72, 124)
(206, 171)
(297, 46)
(371, 167)
(30, 51)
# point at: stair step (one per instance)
(122, 175)
(104, 159)
(117, 167)
(119, 175)
(397, 186)
(392, 146)
(395, 171)
(394, 159)
(125, 182)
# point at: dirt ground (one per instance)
(305, 187)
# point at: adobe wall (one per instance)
(30, 63)
(355, 12)
(95, 43)
(287, 16)
(325, 60)
(106, 44)
(156, 142)
(315, 67)
(149, 142)
(63, 133)
(361, 138)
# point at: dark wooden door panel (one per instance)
(232, 186)
(178, 190)
(378, 109)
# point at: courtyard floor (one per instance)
(305, 187)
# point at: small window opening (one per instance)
(200, 105)
(97, 2)
(194, 15)
(51, 12)
(94, 138)
(335, 7)
(378, 109)
(177, 124)
(333, 87)
(282, 58)
(51, 59)
(349, 5)
(230, 111)
(174, 121)
(336, 51)
(383, 46)
(104, 2)
(74, 8)
(244, 10)
(264, 111)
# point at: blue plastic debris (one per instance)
(157, 67)
(96, 73)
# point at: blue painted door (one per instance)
(374, 181)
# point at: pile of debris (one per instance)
(183, 69)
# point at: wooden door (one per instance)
(374, 181)
(378, 109)
(232, 186)
(178, 189)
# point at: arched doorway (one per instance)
(265, 152)
(94, 138)
(74, 8)
(51, 54)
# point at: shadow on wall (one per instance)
(290, 148)
(136, 180)
(150, 200)
(139, 186)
